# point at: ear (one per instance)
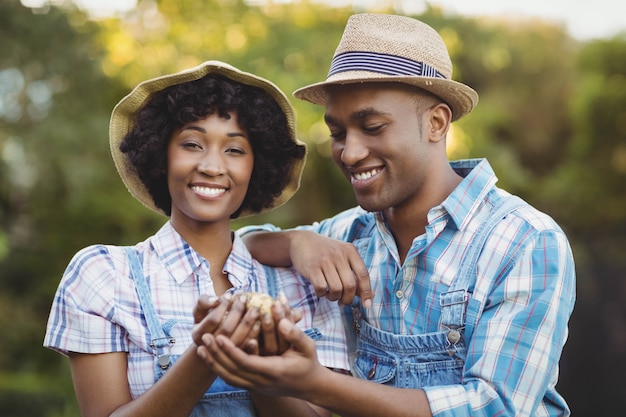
(439, 120)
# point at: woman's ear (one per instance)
(440, 117)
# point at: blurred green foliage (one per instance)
(551, 119)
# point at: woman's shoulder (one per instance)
(98, 255)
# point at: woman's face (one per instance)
(209, 164)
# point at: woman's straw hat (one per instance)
(388, 48)
(124, 113)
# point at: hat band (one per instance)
(381, 63)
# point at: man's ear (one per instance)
(440, 117)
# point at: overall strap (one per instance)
(453, 303)
(160, 340)
(271, 277)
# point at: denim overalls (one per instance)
(221, 399)
(415, 361)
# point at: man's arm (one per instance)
(334, 268)
(513, 355)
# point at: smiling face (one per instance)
(378, 141)
(209, 164)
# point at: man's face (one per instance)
(378, 143)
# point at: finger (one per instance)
(363, 282)
(252, 347)
(334, 286)
(348, 283)
(293, 314)
(318, 280)
(279, 312)
(245, 327)
(211, 322)
(231, 320)
(268, 335)
(203, 305)
(222, 366)
(296, 338)
(286, 308)
(296, 315)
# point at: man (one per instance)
(471, 288)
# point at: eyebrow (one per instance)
(358, 116)
(203, 130)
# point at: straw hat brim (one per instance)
(123, 115)
(460, 97)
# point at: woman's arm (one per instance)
(101, 386)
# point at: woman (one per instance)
(201, 146)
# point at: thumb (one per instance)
(294, 336)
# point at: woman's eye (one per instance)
(236, 151)
(190, 145)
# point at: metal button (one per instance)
(399, 294)
(453, 336)
(164, 361)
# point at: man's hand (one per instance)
(335, 268)
(291, 373)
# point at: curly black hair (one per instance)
(259, 114)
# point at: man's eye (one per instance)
(372, 129)
(337, 135)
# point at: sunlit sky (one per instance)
(584, 19)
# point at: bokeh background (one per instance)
(551, 120)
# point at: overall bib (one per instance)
(221, 399)
(415, 361)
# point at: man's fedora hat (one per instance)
(389, 48)
(123, 116)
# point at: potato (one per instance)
(263, 302)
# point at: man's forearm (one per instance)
(270, 248)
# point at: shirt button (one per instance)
(399, 294)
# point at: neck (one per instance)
(410, 220)
(214, 242)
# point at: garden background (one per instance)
(551, 120)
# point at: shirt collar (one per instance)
(180, 259)
(239, 265)
(478, 180)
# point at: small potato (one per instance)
(263, 302)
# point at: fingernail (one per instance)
(282, 298)
(367, 303)
(201, 353)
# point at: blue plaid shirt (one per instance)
(526, 281)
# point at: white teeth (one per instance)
(208, 191)
(365, 175)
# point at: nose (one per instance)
(211, 163)
(353, 150)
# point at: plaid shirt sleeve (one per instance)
(82, 317)
(518, 339)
